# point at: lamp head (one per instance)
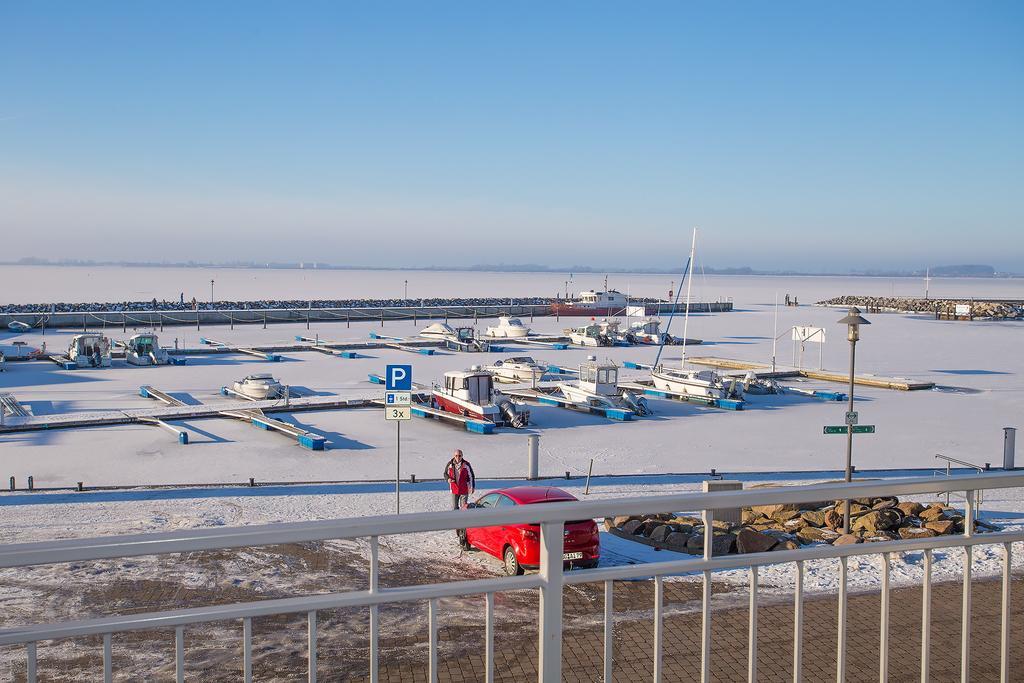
(853, 321)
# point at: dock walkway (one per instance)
(765, 370)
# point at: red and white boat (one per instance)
(471, 393)
(593, 303)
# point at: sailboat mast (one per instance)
(689, 284)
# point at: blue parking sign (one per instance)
(398, 378)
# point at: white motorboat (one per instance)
(438, 331)
(700, 383)
(611, 330)
(508, 328)
(89, 350)
(598, 385)
(518, 369)
(471, 393)
(648, 331)
(144, 349)
(588, 335)
(259, 387)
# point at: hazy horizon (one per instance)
(798, 137)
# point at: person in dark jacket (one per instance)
(462, 482)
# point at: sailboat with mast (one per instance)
(682, 380)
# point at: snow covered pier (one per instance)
(764, 370)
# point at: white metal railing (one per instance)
(948, 472)
(550, 580)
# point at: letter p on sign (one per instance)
(398, 378)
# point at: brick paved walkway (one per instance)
(515, 643)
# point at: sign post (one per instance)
(398, 407)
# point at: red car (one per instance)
(518, 545)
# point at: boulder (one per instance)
(608, 524)
(916, 532)
(931, 513)
(676, 541)
(721, 525)
(687, 520)
(811, 534)
(786, 545)
(814, 517)
(661, 532)
(847, 539)
(941, 526)
(771, 510)
(631, 526)
(834, 519)
(621, 520)
(749, 516)
(910, 509)
(721, 544)
(783, 516)
(876, 520)
(751, 541)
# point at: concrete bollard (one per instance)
(533, 452)
(31, 483)
(12, 483)
(1009, 446)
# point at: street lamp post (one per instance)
(211, 291)
(853, 321)
(406, 290)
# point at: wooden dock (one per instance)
(764, 370)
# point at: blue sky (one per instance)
(796, 135)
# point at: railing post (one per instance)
(108, 666)
(798, 623)
(489, 640)
(179, 654)
(247, 650)
(708, 517)
(609, 629)
(841, 625)
(30, 663)
(1004, 639)
(659, 603)
(311, 620)
(374, 610)
(965, 618)
(883, 652)
(926, 618)
(752, 631)
(549, 650)
(432, 626)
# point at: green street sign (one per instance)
(857, 429)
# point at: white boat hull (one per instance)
(691, 386)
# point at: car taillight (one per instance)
(531, 535)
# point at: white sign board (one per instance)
(803, 333)
(963, 309)
(397, 413)
(635, 311)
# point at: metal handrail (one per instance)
(949, 473)
(550, 580)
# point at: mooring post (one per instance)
(12, 483)
(124, 323)
(252, 482)
(81, 486)
(532, 452)
(1009, 446)
(590, 471)
(31, 483)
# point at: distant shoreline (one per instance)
(526, 269)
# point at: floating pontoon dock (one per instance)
(764, 370)
(272, 357)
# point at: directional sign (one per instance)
(397, 398)
(857, 429)
(398, 378)
(851, 417)
(397, 413)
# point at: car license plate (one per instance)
(572, 556)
